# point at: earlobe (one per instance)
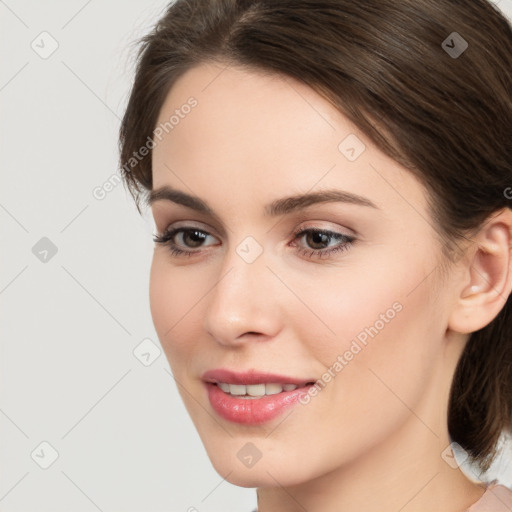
(488, 276)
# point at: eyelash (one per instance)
(167, 237)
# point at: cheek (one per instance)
(173, 303)
(386, 333)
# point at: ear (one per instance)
(487, 277)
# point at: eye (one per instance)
(315, 237)
(319, 241)
(190, 237)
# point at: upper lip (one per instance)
(251, 377)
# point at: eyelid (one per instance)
(218, 229)
(180, 219)
(186, 225)
(317, 226)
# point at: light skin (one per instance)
(372, 438)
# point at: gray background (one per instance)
(71, 365)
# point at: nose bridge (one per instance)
(241, 300)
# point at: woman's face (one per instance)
(256, 293)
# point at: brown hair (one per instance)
(386, 65)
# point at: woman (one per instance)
(331, 187)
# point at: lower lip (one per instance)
(252, 411)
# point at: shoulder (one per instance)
(497, 498)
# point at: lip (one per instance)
(251, 411)
(251, 377)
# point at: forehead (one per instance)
(272, 132)
(238, 102)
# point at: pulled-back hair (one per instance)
(387, 66)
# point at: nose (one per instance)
(243, 303)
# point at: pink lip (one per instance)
(251, 411)
(251, 377)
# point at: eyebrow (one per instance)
(278, 207)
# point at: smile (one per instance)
(255, 390)
(251, 404)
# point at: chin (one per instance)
(266, 472)
(248, 479)
(252, 477)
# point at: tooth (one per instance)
(237, 389)
(255, 389)
(224, 387)
(273, 389)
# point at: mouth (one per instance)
(255, 391)
(250, 404)
(251, 397)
